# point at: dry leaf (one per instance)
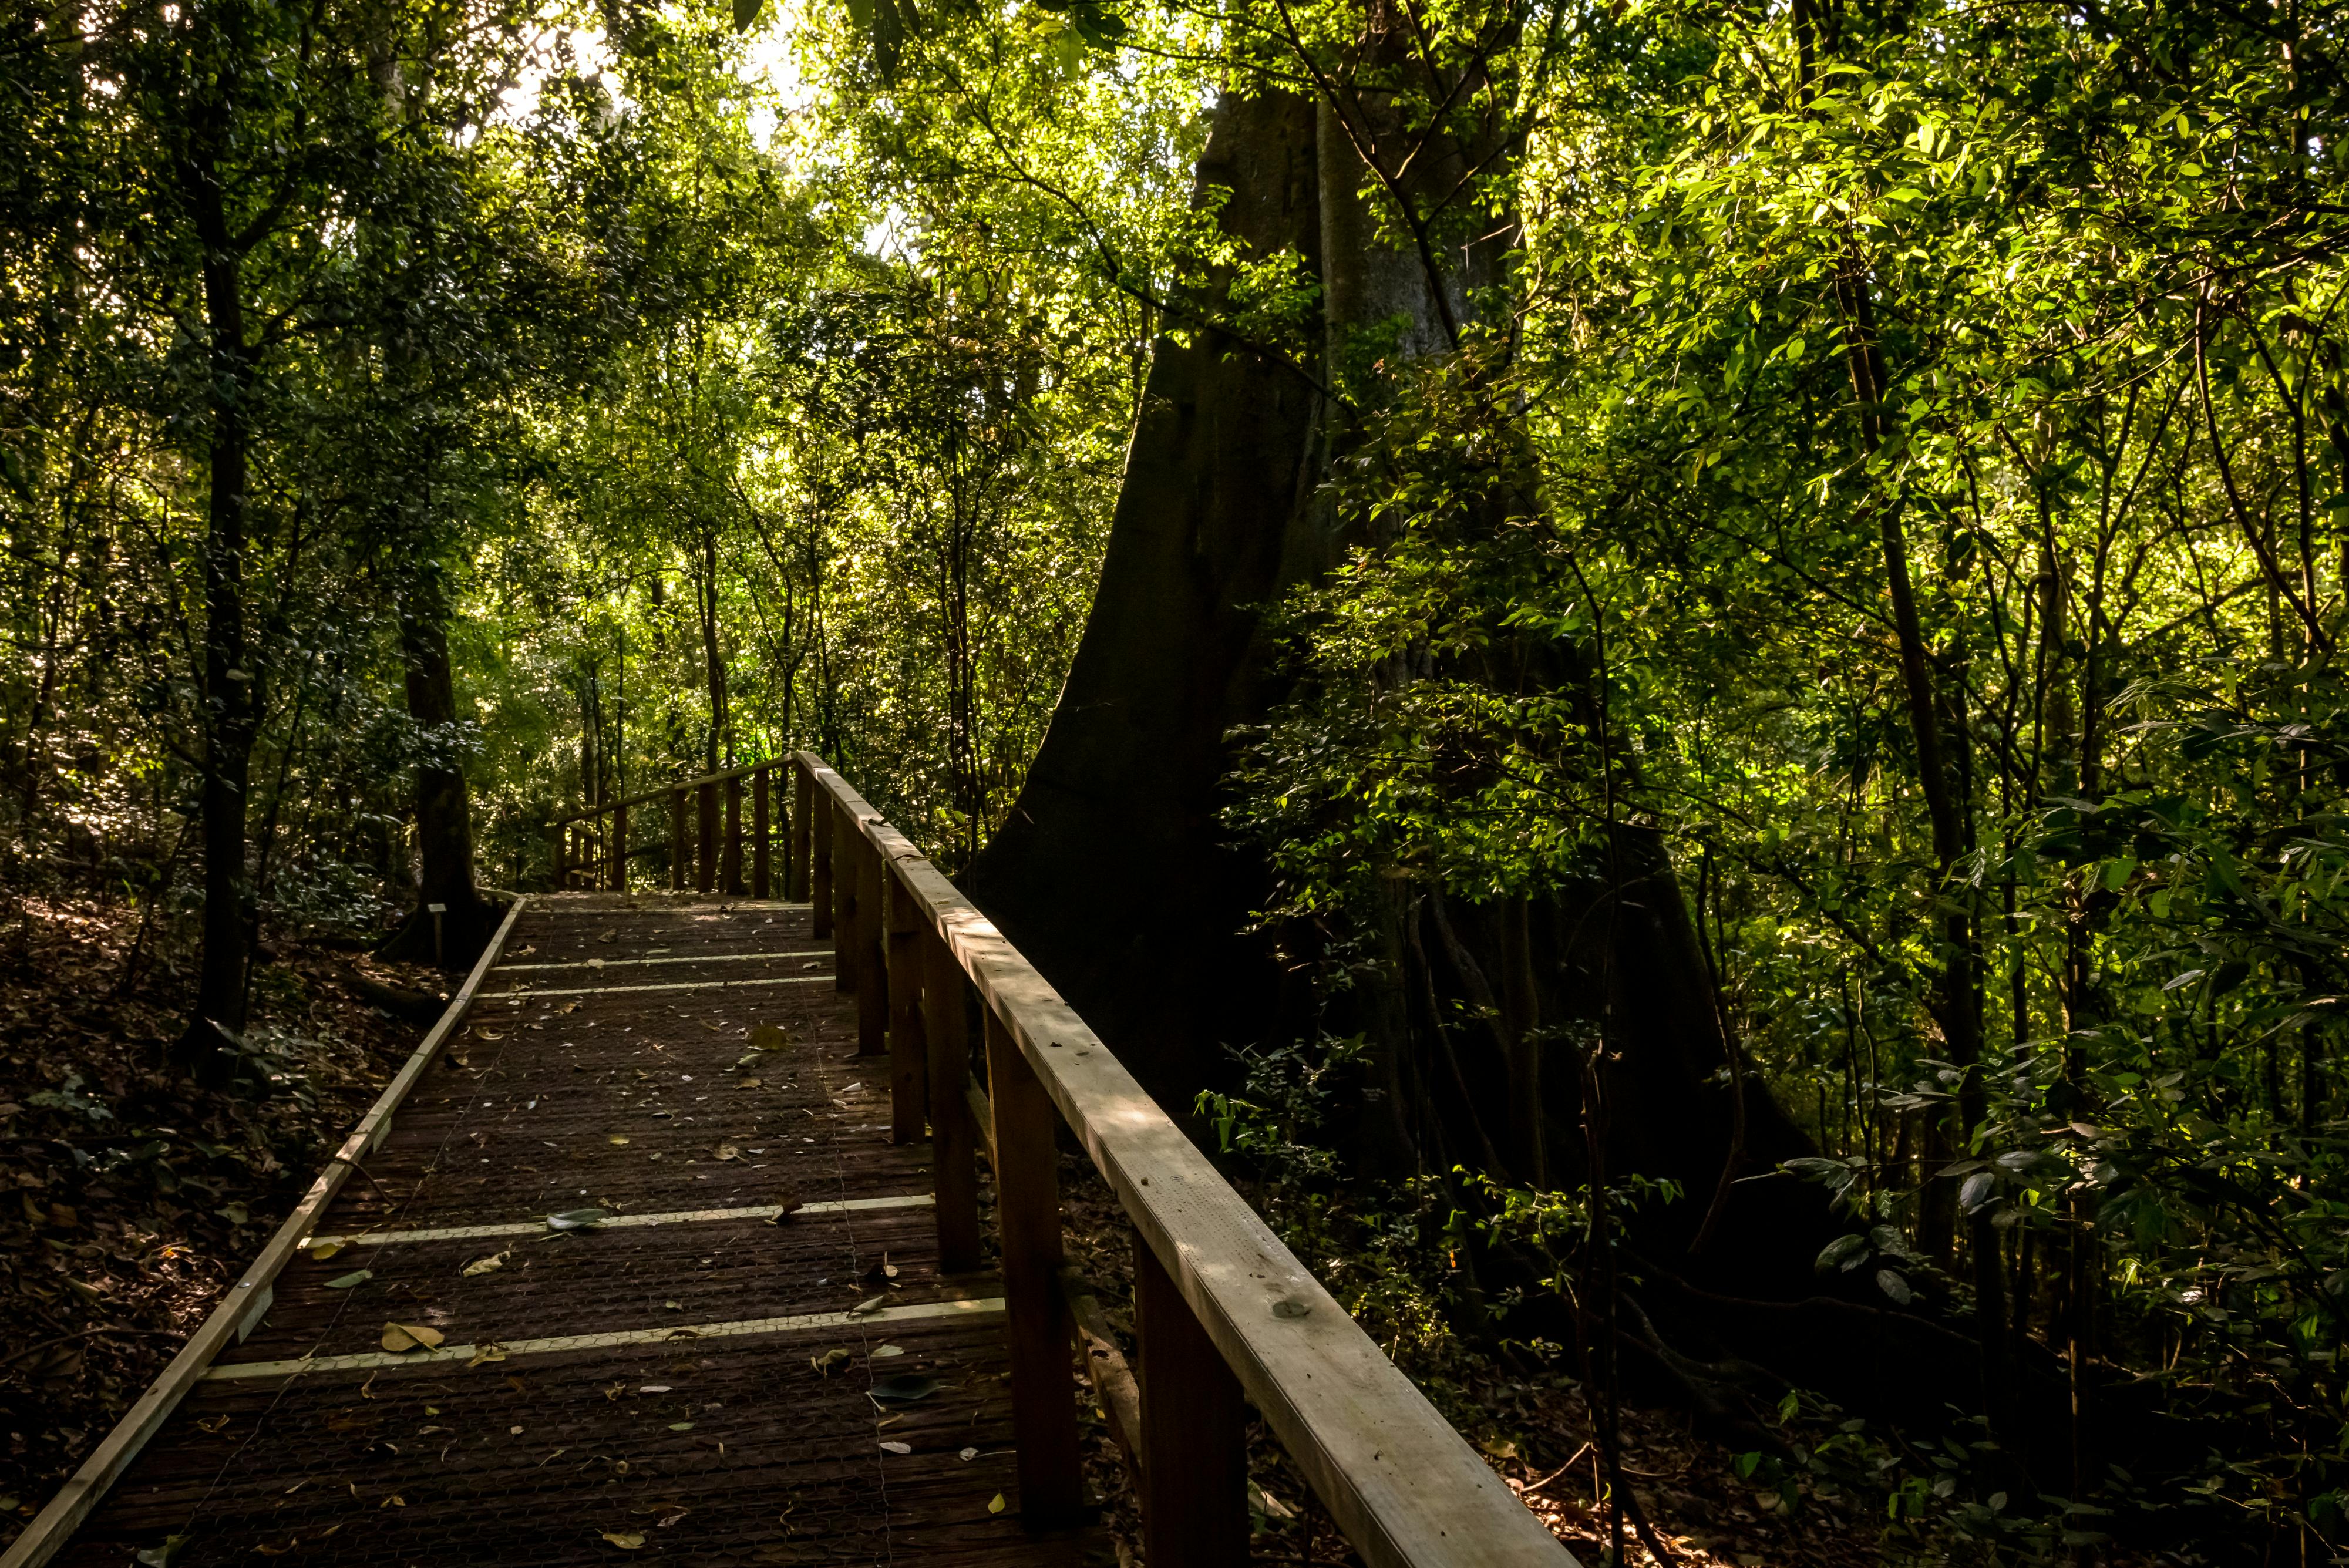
(654, 1388)
(768, 1037)
(879, 1351)
(399, 1337)
(727, 1151)
(861, 1308)
(968, 1455)
(351, 1281)
(752, 1083)
(828, 1360)
(995, 1503)
(489, 1265)
(485, 1353)
(322, 1251)
(576, 1220)
(212, 1424)
(612, 935)
(625, 1539)
(618, 1140)
(897, 1448)
(680, 1426)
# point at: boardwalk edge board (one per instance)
(246, 1300)
(615, 1339)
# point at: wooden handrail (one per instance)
(659, 790)
(1399, 1482)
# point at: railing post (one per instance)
(761, 885)
(845, 949)
(954, 1151)
(872, 958)
(908, 1056)
(679, 856)
(1194, 1428)
(619, 849)
(705, 863)
(729, 873)
(1028, 1218)
(555, 855)
(815, 828)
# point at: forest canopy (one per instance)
(1713, 633)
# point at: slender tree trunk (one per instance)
(444, 818)
(230, 697)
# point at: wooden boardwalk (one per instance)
(754, 1359)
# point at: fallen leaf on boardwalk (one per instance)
(485, 1353)
(265, 1550)
(157, 1556)
(618, 1140)
(576, 1220)
(727, 1151)
(322, 1251)
(752, 1083)
(674, 1306)
(768, 1037)
(879, 1351)
(828, 1360)
(484, 1034)
(594, 963)
(213, 1425)
(886, 1421)
(878, 1273)
(995, 1503)
(903, 1389)
(655, 1388)
(680, 1426)
(614, 1390)
(789, 1207)
(393, 1501)
(489, 1265)
(568, 1007)
(669, 1519)
(350, 1280)
(861, 1308)
(968, 1455)
(351, 1423)
(897, 1448)
(399, 1337)
(612, 935)
(625, 1539)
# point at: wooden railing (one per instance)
(1225, 1315)
(590, 847)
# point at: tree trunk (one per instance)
(444, 819)
(1214, 520)
(230, 702)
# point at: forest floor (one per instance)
(137, 1198)
(130, 1199)
(1534, 1429)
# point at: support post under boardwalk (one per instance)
(909, 1057)
(815, 828)
(847, 951)
(954, 1141)
(705, 861)
(730, 874)
(680, 856)
(872, 957)
(1028, 1218)
(619, 849)
(761, 885)
(554, 856)
(1194, 1430)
